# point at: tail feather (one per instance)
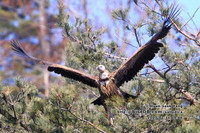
(127, 96)
(97, 101)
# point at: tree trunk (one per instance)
(44, 43)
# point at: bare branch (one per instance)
(156, 80)
(179, 30)
(188, 96)
(159, 73)
(190, 18)
(115, 57)
(153, 71)
(136, 36)
(124, 41)
(150, 9)
(169, 69)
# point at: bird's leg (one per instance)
(111, 116)
(108, 111)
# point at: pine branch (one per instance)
(153, 71)
(197, 94)
(195, 39)
(115, 57)
(188, 96)
(8, 115)
(156, 80)
(12, 106)
(128, 130)
(190, 18)
(24, 126)
(185, 34)
(81, 119)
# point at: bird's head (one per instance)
(101, 68)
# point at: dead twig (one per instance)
(190, 18)
(186, 35)
(136, 36)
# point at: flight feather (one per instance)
(145, 53)
(59, 69)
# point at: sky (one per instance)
(97, 10)
(188, 9)
(97, 13)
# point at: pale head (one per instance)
(101, 68)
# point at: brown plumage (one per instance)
(109, 83)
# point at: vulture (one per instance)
(108, 83)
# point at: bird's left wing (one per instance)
(59, 69)
(145, 53)
(136, 62)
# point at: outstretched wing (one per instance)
(144, 54)
(16, 46)
(74, 74)
(59, 69)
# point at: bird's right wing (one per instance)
(16, 46)
(59, 69)
(74, 74)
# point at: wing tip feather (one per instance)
(17, 48)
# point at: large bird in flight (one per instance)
(109, 83)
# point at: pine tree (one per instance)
(170, 82)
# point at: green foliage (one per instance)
(119, 14)
(22, 32)
(68, 108)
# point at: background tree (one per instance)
(31, 23)
(173, 79)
